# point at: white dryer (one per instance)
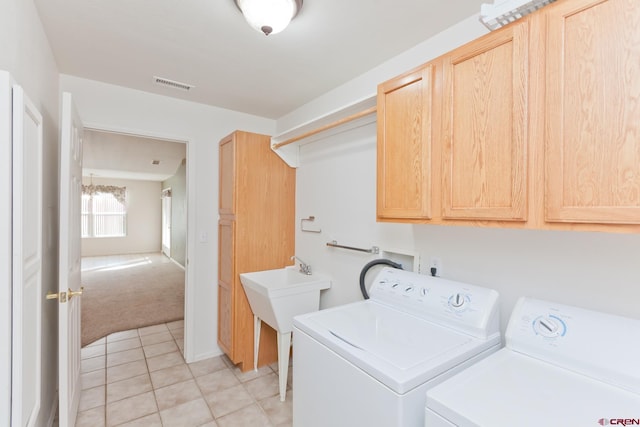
(370, 363)
(562, 366)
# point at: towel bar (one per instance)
(372, 250)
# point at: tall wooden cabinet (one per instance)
(256, 232)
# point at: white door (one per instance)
(27, 260)
(69, 264)
(166, 222)
(6, 257)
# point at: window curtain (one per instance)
(118, 192)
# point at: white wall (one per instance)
(26, 54)
(115, 108)
(144, 217)
(336, 183)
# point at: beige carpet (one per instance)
(129, 291)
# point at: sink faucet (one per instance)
(304, 267)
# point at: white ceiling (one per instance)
(208, 44)
(114, 155)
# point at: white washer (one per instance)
(370, 363)
(562, 365)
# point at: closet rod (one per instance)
(326, 127)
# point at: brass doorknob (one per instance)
(72, 294)
(64, 296)
(60, 296)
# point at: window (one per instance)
(104, 211)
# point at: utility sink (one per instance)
(275, 297)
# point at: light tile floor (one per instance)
(139, 378)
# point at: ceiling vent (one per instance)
(503, 12)
(155, 162)
(172, 83)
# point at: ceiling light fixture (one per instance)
(269, 16)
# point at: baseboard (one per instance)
(209, 355)
(176, 263)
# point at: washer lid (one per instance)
(509, 388)
(398, 339)
(398, 349)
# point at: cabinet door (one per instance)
(226, 273)
(404, 145)
(227, 165)
(593, 112)
(484, 127)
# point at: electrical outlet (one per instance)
(436, 263)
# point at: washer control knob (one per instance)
(549, 326)
(408, 289)
(458, 301)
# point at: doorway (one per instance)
(148, 171)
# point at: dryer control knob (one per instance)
(549, 326)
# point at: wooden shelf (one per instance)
(287, 144)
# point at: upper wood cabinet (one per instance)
(535, 125)
(593, 112)
(404, 145)
(255, 232)
(484, 127)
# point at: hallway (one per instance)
(139, 378)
